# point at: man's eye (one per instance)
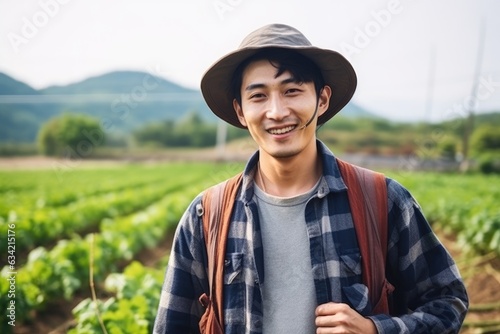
(257, 96)
(292, 91)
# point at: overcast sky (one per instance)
(415, 59)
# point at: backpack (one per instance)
(367, 194)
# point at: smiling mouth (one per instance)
(282, 130)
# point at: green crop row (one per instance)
(60, 272)
(466, 205)
(477, 228)
(43, 179)
(132, 310)
(38, 199)
(38, 227)
(41, 189)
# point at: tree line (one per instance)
(82, 133)
(74, 131)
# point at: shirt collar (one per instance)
(331, 182)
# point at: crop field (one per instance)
(84, 249)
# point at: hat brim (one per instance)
(336, 70)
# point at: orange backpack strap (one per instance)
(367, 193)
(217, 203)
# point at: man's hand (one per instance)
(340, 318)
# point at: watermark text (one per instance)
(11, 273)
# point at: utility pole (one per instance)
(469, 121)
(221, 139)
(430, 83)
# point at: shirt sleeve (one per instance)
(429, 295)
(185, 281)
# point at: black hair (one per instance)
(302, 68)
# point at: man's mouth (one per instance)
(282, 130)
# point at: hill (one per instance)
(121, 100)
(10, 86)
(119, 82)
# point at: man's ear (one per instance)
(239, 113)
(324, 99)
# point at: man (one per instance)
(292, 257)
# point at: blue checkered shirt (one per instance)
(429, 295)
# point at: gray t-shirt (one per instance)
(288, 293)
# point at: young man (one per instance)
(292, 257)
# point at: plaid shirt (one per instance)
(429, 295)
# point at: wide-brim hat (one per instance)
(337, 72)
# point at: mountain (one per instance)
(353, 110)
(119, 82)
(121, 100)
(10, 86)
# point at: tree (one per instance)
(485, 143)
(156, 134)
(69, 134)
(486, 139)
(189, 131)
(447, 148)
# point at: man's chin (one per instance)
(284, 154)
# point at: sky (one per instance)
(415, 59)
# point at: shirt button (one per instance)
(256, 281)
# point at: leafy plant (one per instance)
(131, 311)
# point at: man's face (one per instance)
(275, 109)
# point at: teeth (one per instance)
(281, 131)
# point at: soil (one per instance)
(235, 152)
(481, 275)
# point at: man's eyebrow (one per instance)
(289, 80)
(254, 86)
(261, 85)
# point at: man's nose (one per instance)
(277, 109)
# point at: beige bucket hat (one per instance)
(337, 72)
